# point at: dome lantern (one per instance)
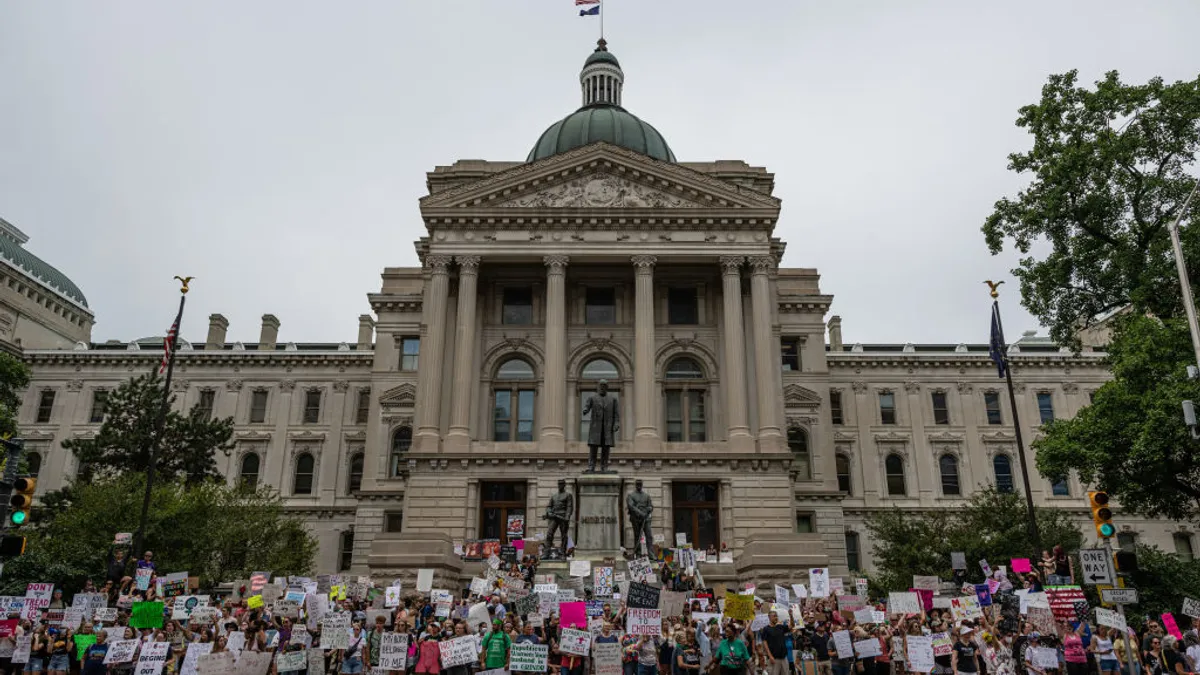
(601, 78)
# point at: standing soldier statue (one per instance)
(558, 512)
(640, 509)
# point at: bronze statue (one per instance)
(640, 509)
(558, 512)
(606, 422)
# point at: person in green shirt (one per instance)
(495, 648)
(732, 653)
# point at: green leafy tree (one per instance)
(14, 376)
(991, 526)
(1132, 441)
(1108, 173)
(1163, 580)
(189, 443)
(211, 530)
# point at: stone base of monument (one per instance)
(598, 529)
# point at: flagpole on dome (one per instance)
(998, 351)
(170, 342)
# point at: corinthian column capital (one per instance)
(556, 264)
(643, 263)
(731, 264)
(438, 263)
(762, 264)
(467, 263)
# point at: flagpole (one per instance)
(159, 423)
(1034, 534)
(601, 19)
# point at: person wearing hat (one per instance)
(964, 657)
(496, 647)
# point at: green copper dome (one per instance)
(608, 123)
(10, 249)
(601, 118)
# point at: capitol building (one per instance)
(749, 416)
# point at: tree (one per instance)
(189, 442)
(992, 526)
(1163, 580)
(1108, 173)
(1132, 441)
(14, 376)
(211, 530)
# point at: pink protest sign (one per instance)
(1021, 566)
(573, 614)
(1171, 626)
(926, 597)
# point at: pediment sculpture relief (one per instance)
(599, 190)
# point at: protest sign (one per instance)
(458, 652)
(782, 596)
(298, 660)
(641, 570)
(220, 663)
(672, 602)
(645, 622)
(1021, 565)
(818, 582)
(152, 658)
(146, 615)
(870, 648)
(1044, 658)
(393, 651)
(184, 605)
(966, 607)
(942, 644)
(254, 663)
(480, 586)
(904, 603)
(843, 645)
(642, 596)
(1107, 617)
(575, 641)
(925, 583)
(919, 654)
(602, 582)
(1171, 627)
(739, 607)
(1191, 608)
(37, 598)
(477, 614)
(581, 568)
(424, 580)
(864, 615)
(606, 658)
(316, 662)
(82, 642)
(22, 648)
(73, 617)
(528, 658)
(335, 631)
(850, 603)
(760, 622)
(572, 614)
(120, 651)
(191, 660)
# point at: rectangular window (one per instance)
(685, 416)
(517, 307)
(312, 406)
(258, 406)
(887, 408)
(804, 523)
(1183, 546)
(991, 401)
(99, 398)
(1126, 541)
(346, 550)
(1045, 406)
(835, 407)
(45, 406)
(789, 354)
(362, 408)
(205, 404)
(941, 412)
(498, 502)
(695, 507)
(600, 306)
(512, 417)
(683, 306)
(393, 521)
(410, 351)
(852, 552)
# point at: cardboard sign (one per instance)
(739, 607)
(606, 658)
(843, 645)
(393, 651)
(575, 641)
(1107, 617)
(1021, 566)
(581, 568)
(642, 596)
(644, 622)
(918, 654)
(529, 658)
(602, 582)
(818, 582)
(1191, 608)
(152, 658)
(37, 598)
(870, 648)
(121, 651)
(291, 661)
(904, 603)
(458, 652)
(925, 583)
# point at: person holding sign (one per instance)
(732, 655)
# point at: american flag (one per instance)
(169, 345)
(587, 2)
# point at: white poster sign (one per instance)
(152, 658)
(818, 582)
(644, 622)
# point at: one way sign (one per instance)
(1097, 566)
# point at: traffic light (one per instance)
(1101, 514)
(1126, 561)
(11, 546)
(21, 501)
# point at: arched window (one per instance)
(843, 473)
(302, 482)
(592, 372)
(513, 393)
(894, 467)
(33, 462)
(248, 472)
(798, 444)
(684, 391)
(354, 484)
(948, 465)
(401, 443)
(1002, 466)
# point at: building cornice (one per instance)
(202, 359)
(849, 360)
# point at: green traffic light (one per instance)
(19, 517)
(1107, 530)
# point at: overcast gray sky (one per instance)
(276, 149)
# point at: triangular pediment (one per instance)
(795, 396)
(402, 396)
(599, 176)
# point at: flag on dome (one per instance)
(587, 2)
(594, 10)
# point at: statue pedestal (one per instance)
(598, 532)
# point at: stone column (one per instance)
(458, 437)
(554, 388)
(433, 347)
(734, 379)
(766, 354)
(645, 436)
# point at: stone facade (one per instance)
(750, 420)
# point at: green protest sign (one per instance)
(146, 615)
(82, 642)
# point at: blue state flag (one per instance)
(590, 11)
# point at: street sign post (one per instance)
(1119, 596)
(1097, 566)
